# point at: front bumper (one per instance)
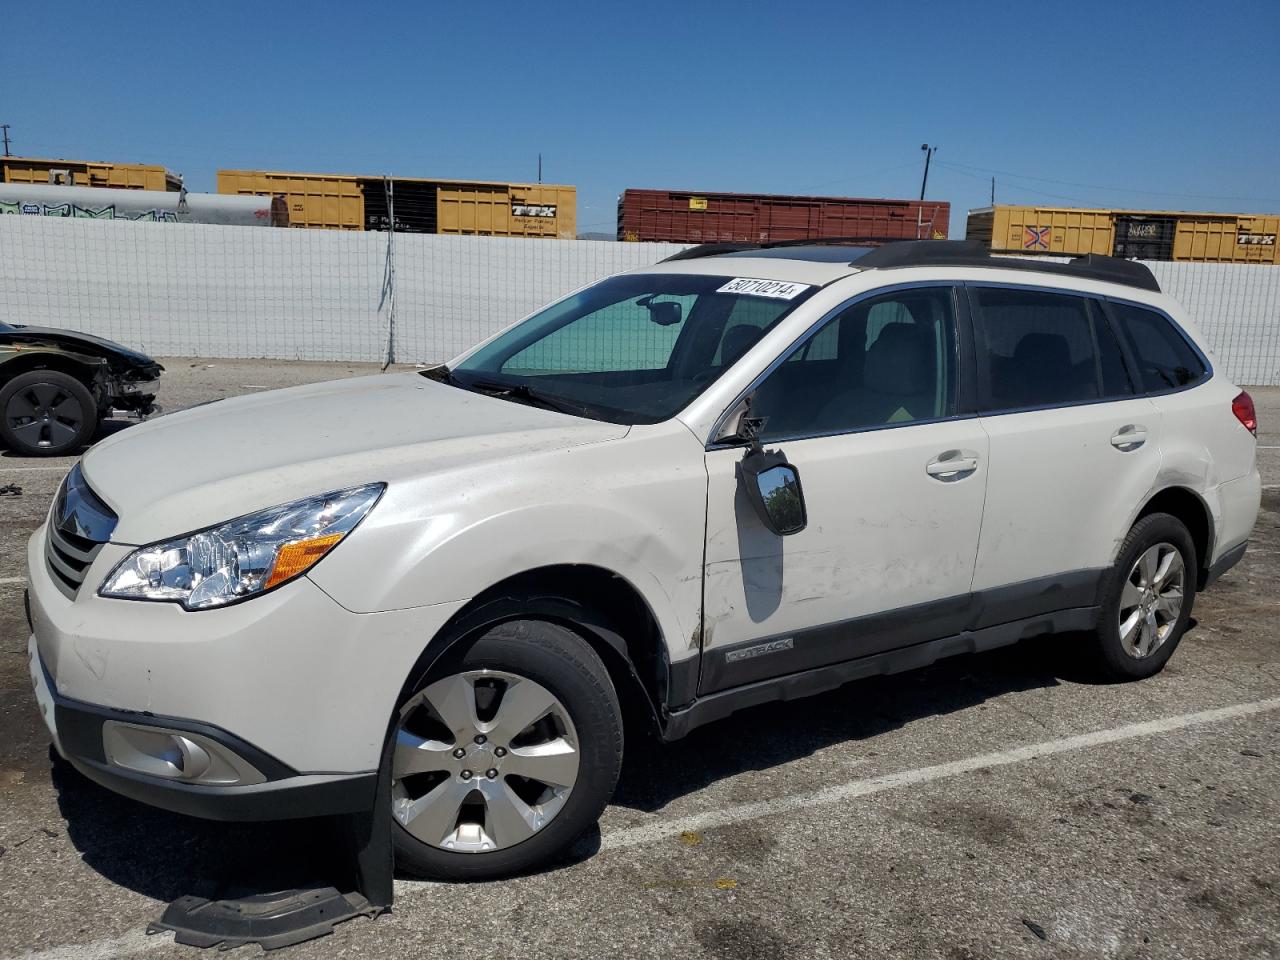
(131, 399)
(289, 686)
(80, 735)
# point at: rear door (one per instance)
(1074, 449)
(893, 480)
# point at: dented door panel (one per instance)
(884, 534)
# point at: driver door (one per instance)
(893, 481)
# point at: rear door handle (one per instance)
(1129, 437)
(952, 465)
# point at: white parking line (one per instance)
(8, 580)
(4, 470)
(650, 832)
(137, 942)
(126, 945)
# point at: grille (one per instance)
(79, 525)
(69, 557)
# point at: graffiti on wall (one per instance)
(108, 212)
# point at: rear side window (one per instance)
(1046, 349)
(1166, 361)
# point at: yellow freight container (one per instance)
(422, 205)
(86, 173)
(1226, 239)
(507, 209)
(1064, 231)
(1145, 234)
(331, 201)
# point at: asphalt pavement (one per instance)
(991, 806)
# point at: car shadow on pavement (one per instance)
(105, 429)
(778, 733)
(165, 855)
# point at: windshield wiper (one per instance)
(523, 393)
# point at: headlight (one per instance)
(242, 557)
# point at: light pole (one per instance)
(928, 155)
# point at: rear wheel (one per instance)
(1148, 599)
(46, 413)
(504, 755)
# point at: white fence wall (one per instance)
(220, 291)
(217, 291)
(1237, 307)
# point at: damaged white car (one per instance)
(740, 475)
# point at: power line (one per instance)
(1038, 193)
(1097, 186)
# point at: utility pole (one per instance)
(539, 168)
(5, 128)
(993, 191)
(928, 155)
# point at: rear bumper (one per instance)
(79, 733)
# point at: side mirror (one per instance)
(740, 426)
(773, 487)
(665, 313)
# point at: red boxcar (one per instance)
(685, 216)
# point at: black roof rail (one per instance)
(886, 253)
(972, 253)
(715, 249)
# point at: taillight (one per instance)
(1242, 407)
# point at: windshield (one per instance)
(631, 349)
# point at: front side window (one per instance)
(1045, 349)
(630, 349)
(1165, 360)
(883, 361)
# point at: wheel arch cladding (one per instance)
(84, 369)
(606, 610)
(1188, 507)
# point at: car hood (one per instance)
(208, 464)
(73, 340)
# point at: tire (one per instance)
(1140, 651)
(46, 413)
(475, 688)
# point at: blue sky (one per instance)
(1157, 105)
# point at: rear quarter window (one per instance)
(1166, 360)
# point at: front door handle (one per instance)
(952, 465)
(1129, 437)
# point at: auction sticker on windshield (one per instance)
(776, 289)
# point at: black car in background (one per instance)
(57, 386)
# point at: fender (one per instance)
(30, 356)
(1209, 507)
(635, 507)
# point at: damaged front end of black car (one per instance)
(57, 387)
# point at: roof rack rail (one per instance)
(715, 249)
(972, 253)
(888, 253)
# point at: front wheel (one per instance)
(46, 413)
(1147, 601)
(503, 755)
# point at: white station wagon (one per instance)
(739, 475)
